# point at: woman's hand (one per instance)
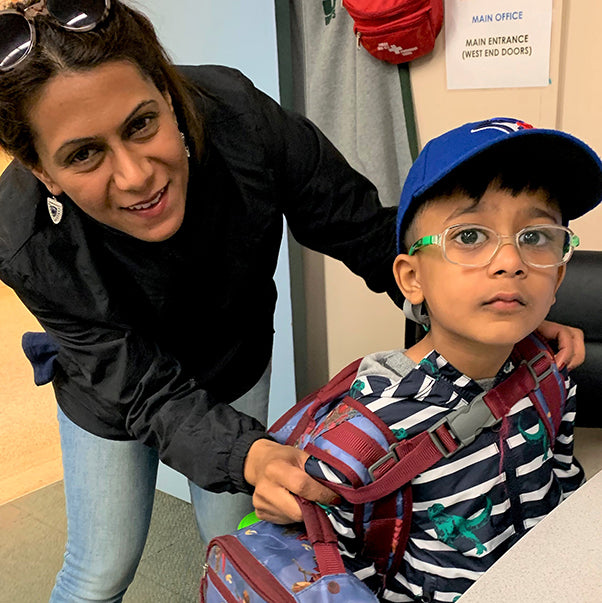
(277, 470)
(571, 343)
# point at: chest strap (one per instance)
(536, 377)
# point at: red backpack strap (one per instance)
(536, 376)
(549, 397)
(355, 441)
(307, 407)
(323, 538)
(341, 382)
(387, 532)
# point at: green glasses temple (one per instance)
(424, 242)
(574, 242)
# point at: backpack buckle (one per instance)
(531, 368)
(464, 424)
(391, 455)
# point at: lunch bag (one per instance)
(270, 563)
(263, 560)
(396, 31)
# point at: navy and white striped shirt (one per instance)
(468, 509)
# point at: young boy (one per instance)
(483, 246)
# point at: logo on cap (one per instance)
(503, 125)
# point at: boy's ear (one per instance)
(42, 175)
(405, 270)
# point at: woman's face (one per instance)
(108, 138)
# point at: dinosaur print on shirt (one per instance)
(451, 527)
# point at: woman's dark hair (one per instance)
(124, 35)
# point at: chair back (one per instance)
(579, 304)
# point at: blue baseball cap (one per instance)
(560, 150)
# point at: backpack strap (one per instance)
(300, 418)
(323, 538)
(550, 397)
(536, 376)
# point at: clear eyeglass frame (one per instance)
(571, 241)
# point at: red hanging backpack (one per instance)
(396, 31)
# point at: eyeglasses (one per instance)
(18, 34)
(473, 245)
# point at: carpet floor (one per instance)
(33, 530)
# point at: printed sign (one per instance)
(497, 43)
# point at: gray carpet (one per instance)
(32, 538)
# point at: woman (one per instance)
(141, 225)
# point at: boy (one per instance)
(483, 246)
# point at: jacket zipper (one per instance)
(252, 571)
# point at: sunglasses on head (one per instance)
(17, 30)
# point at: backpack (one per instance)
(339, 430)
(271, 563)
(396, 31)
(336, 428)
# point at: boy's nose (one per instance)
(507, 259)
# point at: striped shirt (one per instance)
(468, 509)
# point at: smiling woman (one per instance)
(127, 168)
(141, 224)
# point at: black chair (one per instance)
(579, 304)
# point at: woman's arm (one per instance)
(329, 206)
(131, 388)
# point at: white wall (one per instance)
(240, 34)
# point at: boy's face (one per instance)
(493, 305)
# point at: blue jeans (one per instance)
(109, 491)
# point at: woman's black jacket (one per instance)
(156, 338)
